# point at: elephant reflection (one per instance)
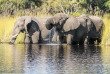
(84, 59)
(32, 51)
(64, 58)
(35, 31)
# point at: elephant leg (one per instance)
(54, 39)
(35, 37)
(86, 41)
(69, 39)
(59, 39)
(27, 39)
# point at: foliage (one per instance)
(13, 6)
(27, 7)
(107, 4)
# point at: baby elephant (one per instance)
(35, 30)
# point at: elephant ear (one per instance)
(89, 24)
(27, 21)
(72, 23)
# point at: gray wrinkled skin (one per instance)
(34, 28)
(74, 29)
(98, 23)
(94, 24)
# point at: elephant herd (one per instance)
(63, 27)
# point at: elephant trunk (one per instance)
(49, 27)
(49, 24)
(14, 35)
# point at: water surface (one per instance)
(54, 59)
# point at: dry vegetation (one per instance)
(6, 28)
(106, 31)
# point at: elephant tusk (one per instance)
(14, 35)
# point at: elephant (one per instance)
(95, 33)
(35, 30)
(57, 21)
(98, 22)
(75, 29)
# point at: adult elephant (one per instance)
(35, 30)
(75, 29)
(98, 22)
(95, 31)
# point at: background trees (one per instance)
(27, 7)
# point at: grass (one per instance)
(6, 28)
(106, 31)
(7, 24)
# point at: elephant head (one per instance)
(57, 20)
(94, 24)
(98, 22)
(20, 25)
(35, 30)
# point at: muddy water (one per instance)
(54, 59)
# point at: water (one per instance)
(51, 35)
(54, 59)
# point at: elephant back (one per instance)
(59, 18)
(44, 31)
(72, 23)
(98, 22)
(86, 21)
(83, 21)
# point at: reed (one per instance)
(106, 31)
(6, 29)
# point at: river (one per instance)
(54, 59)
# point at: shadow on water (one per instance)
(40, 59)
